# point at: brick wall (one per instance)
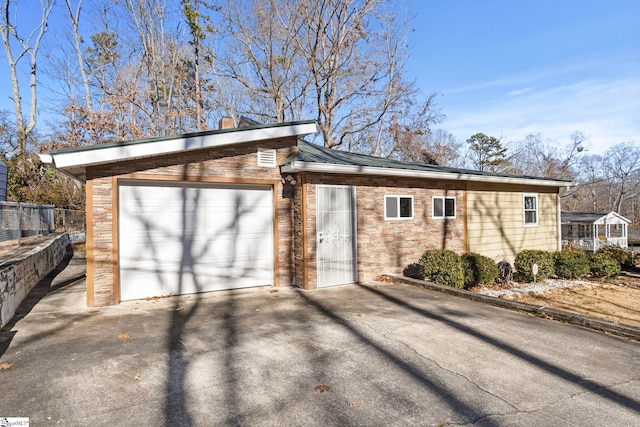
(208, 165)
(390, 245)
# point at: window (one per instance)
(530, 209)
(444, 207)
(398, 207)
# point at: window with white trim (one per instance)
(530, 205)
(398, 207)
(444, 207)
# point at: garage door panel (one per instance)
(177, 239)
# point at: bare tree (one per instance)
(536, 156)
(74, 16)
(199, 25)
(408, 134)
(27, 46)
(259, 54)
(342, 61)
(622, 166)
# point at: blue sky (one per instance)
(512, 68)
(509, 68)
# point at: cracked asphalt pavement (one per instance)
(375, 354)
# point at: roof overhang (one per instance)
(74, 161)
(302, 166)
(612, 218)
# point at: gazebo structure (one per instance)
(594, 230)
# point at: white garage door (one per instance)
(187, 238)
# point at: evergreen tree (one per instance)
(487, 152)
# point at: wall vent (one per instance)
(267, 157)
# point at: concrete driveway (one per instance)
(376, 354)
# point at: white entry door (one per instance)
(336, 235)
(180, 238)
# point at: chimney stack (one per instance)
(226, 123)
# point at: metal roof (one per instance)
(312, 153)
(592, 218)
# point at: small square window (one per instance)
(398, 207)
(444, 207)
(530, 209)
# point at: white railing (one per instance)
(586, 243)
(611, 241)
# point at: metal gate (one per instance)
(336, 235)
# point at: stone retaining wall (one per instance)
(20, 275)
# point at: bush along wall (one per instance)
(524, 264)
(478, 270)
(603, 266)
(443, 267)
(571, 263)
(624, 257)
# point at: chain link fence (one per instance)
(18, 220)
(69, 220)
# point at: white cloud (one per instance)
(519, 92)
(533, 75)
(607, 111)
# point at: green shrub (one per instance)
(443, 268)
(525, 260)
(602, 265)
(478, 270)
(623, 256)
(571, 263)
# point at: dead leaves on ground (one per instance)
(157, 298)
(137, 377)
(124, 336)
(351, 403)
(4, 366)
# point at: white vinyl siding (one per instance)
(495, 221)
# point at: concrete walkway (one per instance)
(377, 354)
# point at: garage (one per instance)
(180, 238)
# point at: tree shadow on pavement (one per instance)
(584, 383)
(39, 291)
(455, 403)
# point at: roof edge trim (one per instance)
(301, 166)
(99, 154)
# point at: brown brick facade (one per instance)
(382, 245)
(390, 245)
(237, 164)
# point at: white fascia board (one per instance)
(300, 166)
(168, 146)
(47, 159)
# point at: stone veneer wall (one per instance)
(297, 233)
(18, 277)
(208, 165)
(390, 245)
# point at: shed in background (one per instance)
(594, 230)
